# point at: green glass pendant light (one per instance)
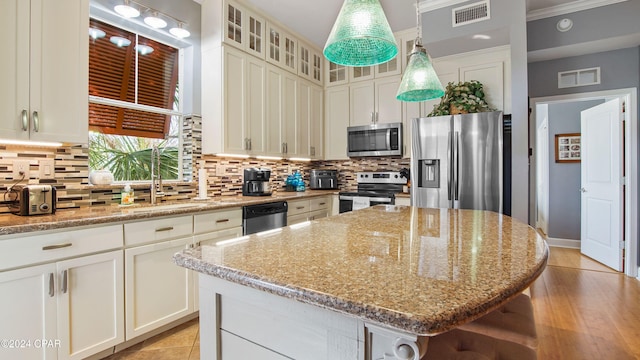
(419, 81)
(361, 35)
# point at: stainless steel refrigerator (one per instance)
(457, 161)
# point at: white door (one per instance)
(601, 217)
(542, 172)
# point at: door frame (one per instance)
(629, 95)
(542, 151)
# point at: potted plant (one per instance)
(462, 98)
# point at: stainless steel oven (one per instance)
(374, 188)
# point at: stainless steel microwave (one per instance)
(375, 140)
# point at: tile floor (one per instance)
(179, 343)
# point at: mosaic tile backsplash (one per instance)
(224, 175)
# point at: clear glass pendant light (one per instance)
(419, 81)
(361, 35)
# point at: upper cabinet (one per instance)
(336, 74)
(244, 29)
(310, 63)
(282, 48)
(44, 89)
(375, 102)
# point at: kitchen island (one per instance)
(368, 284)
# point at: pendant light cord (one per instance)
(419, 24)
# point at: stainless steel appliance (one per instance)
(32, 199)
(456, 161)
(263, 217)
(374, 188)
(375, 140)
(256, 182)
(323, 179)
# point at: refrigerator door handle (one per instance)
(450, 164)
(456, 185)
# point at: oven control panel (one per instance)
(385, 177)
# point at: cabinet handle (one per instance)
(377, 114)
(299, 207)
(168, 228)
(57, 246)
(25, 120)
(250, 145)
(199, 243)
(320, 204)
(286, 148)
(36, 122)
(222, 221)
(373, 118)
(246, 144)
(65, 281)
(52, 289)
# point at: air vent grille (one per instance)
(471, 13)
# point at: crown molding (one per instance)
(567, 8)
(431, 5)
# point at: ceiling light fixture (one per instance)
(120, 41)
(154, 21)
(481, 37)
(127, 10)
(419, 81)
(179, 32)
(361, 35)
(96, 33)
(144, 49)
(564, 25)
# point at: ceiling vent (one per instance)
(471, 13)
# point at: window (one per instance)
(133, 103)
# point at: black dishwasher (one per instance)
(263, 217)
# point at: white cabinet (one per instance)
(78, 301)
(234, 114)
(336, 122)
(305, 210)
(35, 64)
(282, 118)
(158, 291)
(243, 29)
(406, 201)
(310, 120)
(310, 62)
(336, 74)
(375, 102)
(282, 48)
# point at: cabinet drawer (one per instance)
(219, 220)
(213, 238)
(319, 204)
(298, 207)
(157, 230)
(48, 247)
(318, 214)
(296, 219)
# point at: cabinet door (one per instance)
(290, 47)
(28, 303)
(316, 67)
(157, 291)
(275, 89)
(362, 106)
(14, 70)
(233, 24)
(336, 123)
(491, 75)
(255, 41)
(304, 60)
(256, 104)
(359, 73)
(304, 119)
(90, 304)
(336, 74)
(236, 129)
(388, 108)
(59, 115)
(316, 123)
(289, 116)
(274, 52)
(318, 214)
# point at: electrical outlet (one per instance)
(46, 169)
(20, 169)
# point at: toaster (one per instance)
(33, 199)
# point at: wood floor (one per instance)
(583, 311)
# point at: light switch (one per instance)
(47, 169)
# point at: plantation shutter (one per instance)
(112, 73)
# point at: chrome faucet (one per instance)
(156, 179)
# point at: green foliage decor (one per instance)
(463, 97)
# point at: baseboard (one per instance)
(564, 243)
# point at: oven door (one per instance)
(351, 202)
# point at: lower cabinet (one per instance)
(65, 310)
(305, 210)
(403, 201)
(158, 291)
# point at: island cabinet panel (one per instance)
(239, 348)
(277, 324)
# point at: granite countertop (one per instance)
(423, 271)
(64, 218)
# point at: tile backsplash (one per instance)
(224, 175)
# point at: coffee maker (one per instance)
(256, 182)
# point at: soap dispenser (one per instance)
(127, 196)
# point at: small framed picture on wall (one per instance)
(568, 148)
